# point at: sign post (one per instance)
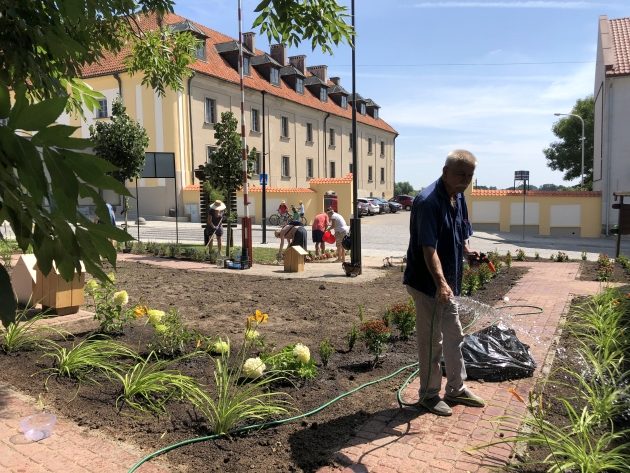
(524, 177)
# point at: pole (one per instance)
(264, 170)
(582, 170)
(524, 186)
(246, 223)
(355, 222)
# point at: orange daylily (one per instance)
(258, 317)
(140, 311)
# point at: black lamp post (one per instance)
(355, 221)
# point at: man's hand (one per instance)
(443, 293)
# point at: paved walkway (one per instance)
(394, 441)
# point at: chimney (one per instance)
(335, 80)
(279, 53)
(320, 71)
(299, 62)
(249, 41)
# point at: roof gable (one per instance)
(620, 32)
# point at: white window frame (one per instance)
(286, 166)
(299, 85)
(323, 94)
(344, 101)
(246, 65)
(255, 125)
(101, 111)
(210, 111)
(274, 76)
(284, 127)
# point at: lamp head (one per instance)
(557, 114)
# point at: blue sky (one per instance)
(484, 75)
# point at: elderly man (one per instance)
(341, 229)
(295, 235)
(440, 230)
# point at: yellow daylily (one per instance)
(259, 317)
(140, 311)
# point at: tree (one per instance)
(43, 173)
(224, 171)
(121, 141)
(403, 188)
(566, 155)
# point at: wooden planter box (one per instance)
(294, 259)
(54, 292)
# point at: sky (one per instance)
(484, 75)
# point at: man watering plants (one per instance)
(440, 230)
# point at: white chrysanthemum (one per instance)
(121, 298)
(155, 316)
(251, 334)
(91, 285)
(253, 367)
(160, 328)
(302, 353)
(221, 347)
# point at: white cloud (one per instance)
(507, 4)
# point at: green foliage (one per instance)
(352, 337)
(560, 257)
(170, 334)
(290, 21)
(566, 153)
(583, 256)
(403, 188)
(375, 334)
(42, 177)
(536, 255)
(291, 361)
(7, 248)
(508, 259)
(520, 255)
(122, 141)
(604, 267)
(149, 385)
(403, 316)
(470, 282)
(109, 306)
(88, 359)
(325, 351)
(23, 334)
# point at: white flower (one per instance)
(251, 334)
(221, 347)
(302, 353)
(121, 298)
(161, 328)
(91, 285)
(253, 367)
(155, 316)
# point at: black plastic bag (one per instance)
(346, 242)
(496, 354)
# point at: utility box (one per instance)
(23, 280)
(54, 292)
(294, 259)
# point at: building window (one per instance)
(255, 120)
(382, 175)
(350, 167)
(101, 111)
(245, 65)
(309, 132)
(285, 167)
(211, 111)
(210, 150)
(344, 101)
(309, 168)
(257, 165)
(333, 169)
(362, 109)
(331, 137)
(382, 148)
(299, 85)
(376, 113)
(370, 177)
(200, 52)
(274, 76)
(285, 127)
(369, 145)
(323, 94)
(351, 136)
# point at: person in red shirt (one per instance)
(320, 223)
(283, 209)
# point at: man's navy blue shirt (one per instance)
(435, 222)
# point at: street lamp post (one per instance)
(583, 138)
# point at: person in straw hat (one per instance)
(213, 225)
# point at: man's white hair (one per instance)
(460, 156)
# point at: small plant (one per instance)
(536, 255)
(325, 351)
(604, 268)
(561, 257)
(508, 259)
(484, 274)
(403, 316)
(110, 305)
(352, 336)
(22, 334)
(292, 360)
(470, 282)
(583, 256)
(520, 255)
(375, 334)
(170, 334)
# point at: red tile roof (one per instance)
(283, 190)
(333, 180)
(192, 187)
(620, 31)
(216, 66)
(505, 192)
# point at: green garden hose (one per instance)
(266, 425)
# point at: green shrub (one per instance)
(325, 351)
(520, 255)
(403, 317)
(170, 335)
(375, 334)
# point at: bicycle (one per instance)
(282, 220)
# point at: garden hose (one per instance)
(267, 425)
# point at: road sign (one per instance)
(264, 178)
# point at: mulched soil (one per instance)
(218, 304)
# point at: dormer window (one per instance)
(362, 109)
(323, 94)
(343, 103)
(200, 52)
(274, 76)
(246, 65)
(299, 85)
(375, 114)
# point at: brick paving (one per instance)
(394, 441)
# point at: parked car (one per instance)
(405, 200)
(373, 207)
(393, 206)
(362, 208)
(383, 205)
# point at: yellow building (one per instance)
(296, 117)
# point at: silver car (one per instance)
(372, 206)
